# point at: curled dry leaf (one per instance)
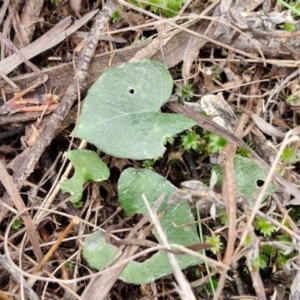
(263, 125)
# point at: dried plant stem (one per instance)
(49, 254)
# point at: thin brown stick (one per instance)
(32, 86)
(229, 195)
(229, 190)
(49, 254)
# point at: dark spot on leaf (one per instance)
(260, 182)
(131, 91)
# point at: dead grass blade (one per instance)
(15, 196)
(263, 125)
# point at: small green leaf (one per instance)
(288, 27)
(291, 98)
(190, 140)
(289, 155)
(264, 226)
(121, 113)
(115, 16)
(148, 163)
(88, 167)
(69, 266)
(216, 143)
(216, 242)
(93, 248)
(17, 224)
(187, 92)
(248, 240)
(247, 175)
(132, 184)
(260, 263)
(224, 219)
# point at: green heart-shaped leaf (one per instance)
(247, 175)
(121, 113)
(176, 221)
